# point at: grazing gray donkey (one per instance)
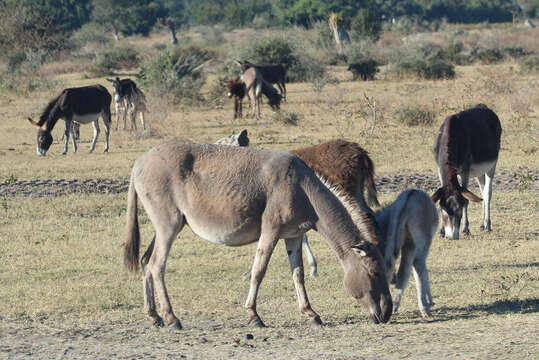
(235, 196)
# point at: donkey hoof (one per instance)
(175, 326)
(316, 321)
(257, 322)
(106, 150)
(156, 321)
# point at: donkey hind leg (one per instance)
(403, 275)
(96, 134)
(167, 226)
(421, 276)
(485, 184)
(149, 299)
(311, 260)
(265, 247)
(293, 248)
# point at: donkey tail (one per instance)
(372, 198)
(132, 233)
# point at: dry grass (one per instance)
(63, 289)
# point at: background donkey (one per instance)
(82, 105)
(274, 74)
(467, 145)
(129, 97)
(237, 89)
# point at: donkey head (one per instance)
(44, 139)
(118, 88)
(365, 280)
(239, 139)
(453, 199)
(274, 101)
(235, 87)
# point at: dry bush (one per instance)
(415, 115)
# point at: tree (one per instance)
(127, 16)
(366, 24)
(172, 17)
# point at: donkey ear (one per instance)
(34, 123)
(361, 249)
(437, 195)
(110, 80)
(238, 62)
(470, 196)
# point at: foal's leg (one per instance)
(421, 275)
(265, 247)
(96, 134)
(403, 275)
(293, 248)
(311, 260)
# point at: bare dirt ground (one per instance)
(503, 181)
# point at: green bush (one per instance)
(176, 71)
(516, 52)
(487, 56)
(429, 69)
(121, 57)
(414, 115)
(91, 33)
(529, 64)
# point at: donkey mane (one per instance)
(49, 110)
(363, 220)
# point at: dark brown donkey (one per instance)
(237, 89)
(467, 145)
(82, 105)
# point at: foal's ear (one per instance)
(437, 195)
(361, 249)
(34, 123)
(470, 196)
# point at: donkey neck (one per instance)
(448, 154)
(333, 222)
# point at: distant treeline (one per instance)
(140, 16)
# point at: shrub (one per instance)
(366, 24)
(529, 64)
(516, 52)
(427, 69)
(90, 33)
(175, 71)
(487, 56)
(286, 117)
(121, 57)
(414, 115)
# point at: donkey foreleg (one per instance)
(265, 248)
(485, 183)
(311, 260)
(117, 109)
(66, 136)
(293, 248)
(464, 181)
(96, 135)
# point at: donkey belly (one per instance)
(86, 118)
(479, 169)
(230, 234)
